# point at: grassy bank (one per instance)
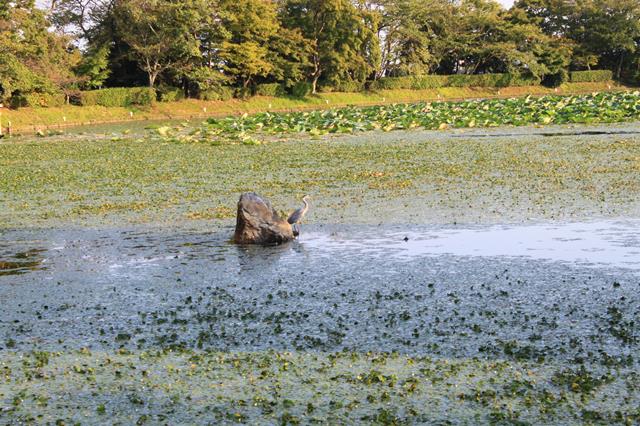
(30, 119)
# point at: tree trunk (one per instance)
(152, 79)
(316, 72)
(619, 70)
(315, 77)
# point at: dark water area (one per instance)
(558, 290)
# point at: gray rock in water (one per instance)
(258, 223)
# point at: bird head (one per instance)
(305, 197)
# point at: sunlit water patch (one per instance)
(604, 243)
(607, 244)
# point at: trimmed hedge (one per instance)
(222, 93)
(590, 76)
(170, 94)
(118, 97)
(346, 87)
(456, 80)
(270, 89)
(409, 82)
(38, 100)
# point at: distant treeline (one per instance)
(216, 49)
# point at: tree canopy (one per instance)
(32, 58)
(204, 45)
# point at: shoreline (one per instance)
(28, 121)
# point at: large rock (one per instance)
(258, 222)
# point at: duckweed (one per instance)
(365, 178)
(185, 386)
(174, 327)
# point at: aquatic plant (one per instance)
(592, 108)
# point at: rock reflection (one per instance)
(21, 262)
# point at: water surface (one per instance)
(556, 288)
(599, 243)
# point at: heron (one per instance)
(296, 217)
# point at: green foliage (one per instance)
(602, 107)
(461, 80)
(221, 93)
(37, 100)
(301, 89)
(603, 32)
(251, 25)
(480, 37)
(426, 82)
(270, 89)
(159, 33)
(342, 39)
(590, 76)
(32, 59)
(16, 78)
(118, 97)
(142, 96)
(556, 79)
(423, 82)
(242, 92)
(345, 86)
(291, 56)
(336, 45)
(490, 80)
(94, 67)
(170, 94)
(458, 80)
(207, 80)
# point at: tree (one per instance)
(609, 30)
(604, 33)
(85, 20)
(489, 39)
(94, 67)
(32, 59)
(251, 25)
(411, 35)
(290, 52)
(161, 34)
(342, 39)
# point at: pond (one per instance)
(460, 289)
(442, 278)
